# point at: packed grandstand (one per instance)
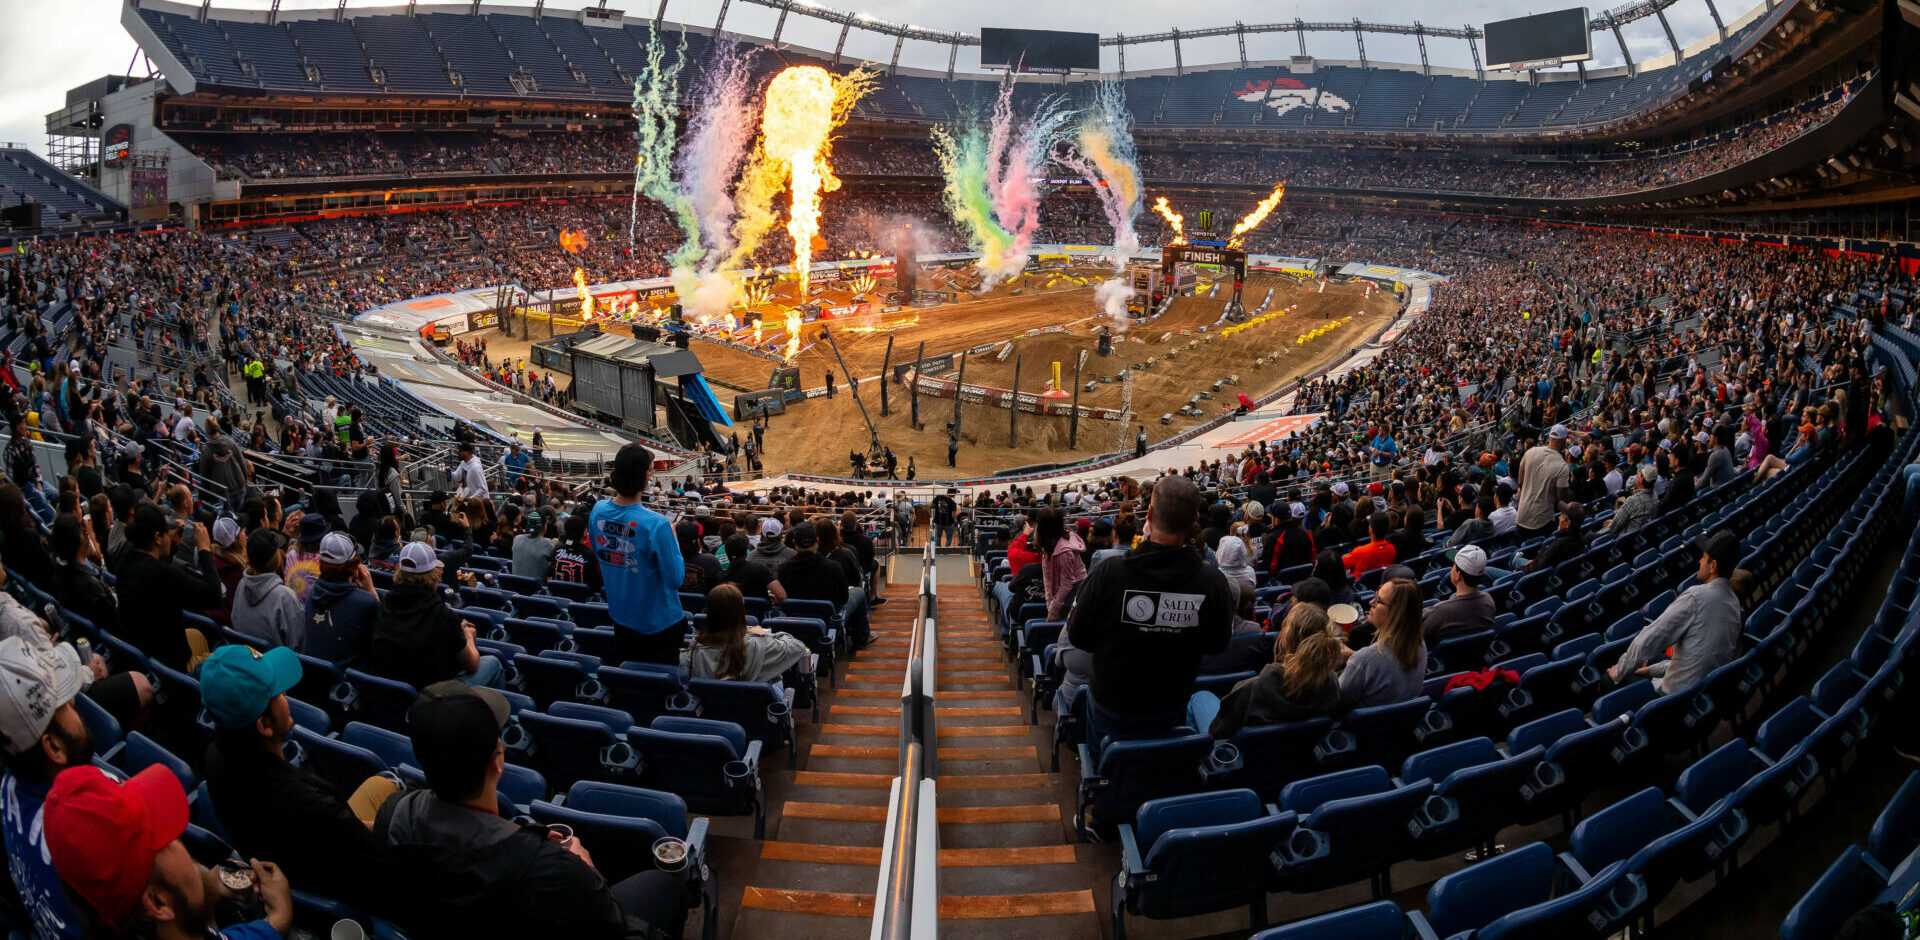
(1533, 552)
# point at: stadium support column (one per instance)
(886, 365)
(1300, 33)
(1420, 34)
(1178, 67)
(1240, 31)
(1120, 47)
(1013, 413)
(837, 47)
(1718, 25)
(780, 23)
(953, 52)
(1626, 55)
(1474, 48)
(718, 21)
(1359, 40)
(853, 386)
(1661, 15)
(893, 68)
(660, 15)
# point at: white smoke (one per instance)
(704, 294)
(1111, 296)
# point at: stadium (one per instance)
(759, 469)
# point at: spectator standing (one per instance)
(1146, 618)
(533, 548)
(945, 517)
(1544, 481)
(640, 564)
(469, 477)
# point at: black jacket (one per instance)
(1147, 617)
(276, 811)
(472, 874)
(1262, 700)
(416, 639)
(160, 590)
(811, 577)
(1565, 544)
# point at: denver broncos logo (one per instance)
(1284, 95)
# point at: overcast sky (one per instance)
(49, 46)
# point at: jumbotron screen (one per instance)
(1039, 50)
(1544, 39)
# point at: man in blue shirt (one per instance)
(1385, 448)
(640, 565)
(42, 734)
(518, 464)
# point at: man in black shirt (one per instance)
(269, 807)
(945, 516)
(1147, 617)
(809, 576)
(152, 582)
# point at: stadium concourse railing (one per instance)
(907, 899)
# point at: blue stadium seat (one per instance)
(1379, 920)
(1386, 734)
(344, 765)
(1896, 832)
(1275, 755)
(567, 750)
(1353, 825)
(549, 678)
(1466, 900)
(708, 763)
(1132, 772)
(378, 701)
(138, 752)
(765, 714)
(1848, 885)
(391, 746)
(1477, 791)
(533, 605)
(646, 691)
(1196, 854)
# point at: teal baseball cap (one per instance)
(236, 683)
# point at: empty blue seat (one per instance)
(1378, 920)
(646, 691)
(392, 747)
(572, 592)
(102, 728)
(1477, 790)
(534, 635)
(1580, 912)
(1466, 900)
(1896, 832)
(1848, 885)
(1386, 734)
(138, 752)
(311, 717)
(1196, 854)
(344, 765)
(765, 714)
(590, 615)
(533, 605)
(1578, 758)
(550, 679)
(567, 750)
(710, 764)
(1353, 825)
(1273, 756)
(621, 843)
(1131, 772)
(383, 702)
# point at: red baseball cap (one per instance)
(104, 836)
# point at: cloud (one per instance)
(47, 47)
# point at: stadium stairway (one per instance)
(1008, 866)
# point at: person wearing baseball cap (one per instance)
(1568, 541)
(1469, 608)
(469, 477)
(1701, 626)
(117, 848)
(641, 568)
(417, 639)
(813, 576)
(41, 734)
(475, 873)
(1640, 506)
(151, 583)
(270, 808)
(303, 560)
(339, 612)
(1545, 480)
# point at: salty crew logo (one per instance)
(1284, 95)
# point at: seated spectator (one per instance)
(270, 808)
(855, 612)
(729, 649)
(263, 605)
(1300, 683)
(748, 573)
(1469, 608)
(303, 560)
(1411, 541)
(1505, 517)
(1638, 508)
(118, 850)
(1477, 529)
(1333, 573)
(811, 576)
(154, 583)
(1289, 545)
(386, 543)
(341, 608)
(1701, 627)
(1231, 555)
(416, 638)
(1391, 668)
(1569, 541)
(27, 554)
(1147, 618)
(476, 874)
(77, 582)
(703, 571)
(230, 563)
(573, 561)
(640, 564)
(1062, 560)
(533, 548)
(773, 550)
(1376, 553)
(41, 734)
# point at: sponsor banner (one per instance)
(1279, 429)
(845, 310)
(483, 319)
(1004, 398)
(116, 144)
(932, 364)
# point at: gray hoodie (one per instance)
(768, 656)
(773, 553)
(265, 607)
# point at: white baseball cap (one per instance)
(337, 548)
(225, 531)
(33, 685)
(1471, 560)
(1558, 432)
(418, 557)
(1340, 489)
(770, 528)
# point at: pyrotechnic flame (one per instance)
(1258, 215)
(863, 284)
(793, 334)
(586, 296)
(804, 104)
(1175, 221)
(573, 240)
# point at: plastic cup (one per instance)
(670, 854)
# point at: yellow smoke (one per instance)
(1259, 213)
(1175, 221)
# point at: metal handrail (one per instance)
(906, 898)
